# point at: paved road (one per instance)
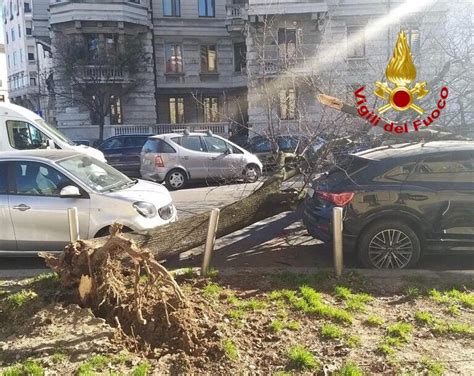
(275, 242)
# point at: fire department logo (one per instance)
(401, 72)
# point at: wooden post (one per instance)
(337, 213)
(210, 240)
(73, 224)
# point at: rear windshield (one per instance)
(348, 167)
(157, 146)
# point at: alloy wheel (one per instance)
(390, 249)
(251, 174)
(176, 179)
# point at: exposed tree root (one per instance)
(130, 289)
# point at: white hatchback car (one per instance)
(37, 188)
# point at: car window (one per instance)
(215, 145)
(37, 179)
(287, 144)
(446, 168)
(113, 143)
(136, 142)
(398, 173)
(23, 135)
(261, 145)
(236, 150)
(192, 143)
(157, 146)
(3, 178)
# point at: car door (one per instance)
(226, 161)
(7, 235)
(130, 159)
(39, 215)
(113, 150)
(193, 156)
(449, 207)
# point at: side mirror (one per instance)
(70, 191)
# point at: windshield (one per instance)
(96, 175)
(53, 131)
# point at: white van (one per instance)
(22, 129)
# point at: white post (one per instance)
(337, 213)
(73, 224)
(210, 241)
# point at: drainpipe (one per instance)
(155, 79)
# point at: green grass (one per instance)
(58, 357)
(230, 349)
(413, 292)
(212, 273)
(353, 341)
(440, 327)
(95, 363)
(28, 368)
(453, 310)
(354, 302)
(300, 358)
(453, 297)
(401, 330)
(350, 369)
(434, 368)
(142, 369)
(330, 331)
(425, 317)
(253, 305)
(212, 290)
(236, 314)
(293, 325)
(277, 326)
(374, 321)
(21, 298)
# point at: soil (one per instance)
(53, 322)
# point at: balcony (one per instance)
(135, 12)
(236, 17)
(102, 74)
(221, 129)
(277, 7)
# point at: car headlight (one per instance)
(166, 212)
(147, 209)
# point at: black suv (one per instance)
(123, 152)
(399, 202)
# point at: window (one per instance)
(13, 34)
(287, 105)
(211, 109)
(21, 55)
(414, 40)
(176, 106)
(191, 143)
(174, 58)
(23, 135)
(14, 58)
(93, 45)
(445, 168)
(112, 143)
(287, 43)
(206, 8)
(398, 173)
(3, 178)
(135, 142)
(355, 41)
(171, 8)
(6, 37)
(32, 81)
(216, 145)
(240, 57)
(37, 179)
(28, 30)
(115, 110)
(111, 42)
(27, 8)
(31, 56)
(19, 31)
(208, 59)
(157, 146)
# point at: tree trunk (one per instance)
(175, 238)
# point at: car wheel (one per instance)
(176, 179)
(389, 245)
(251, 173)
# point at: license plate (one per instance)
(310, 192)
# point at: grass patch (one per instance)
(434, 368)
(230, 349)
(440, 327)
(95, 363)
(280, 324)
(300, 358)
(350, 369)
(212, 290)
(213, 273)
(374, 321)
(354, 302)
(143, 369)
(413, 292)
(453, 310)
(425, 318)
(29, 368)
(293, 325)
(353, 341)
(330, 331)
(59, 357)
(401, 330)
(19, 299)
(453, 297)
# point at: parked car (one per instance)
(123, 152)
(22, 129)
(37, 188)
(178, 158)
(267, 151)
(399, 201)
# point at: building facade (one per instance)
(3, 75)
(244, 65)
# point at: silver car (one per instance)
(37, 188)
(177, 158)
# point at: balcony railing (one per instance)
(221, 129)
(236, 11)
(96, 73)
